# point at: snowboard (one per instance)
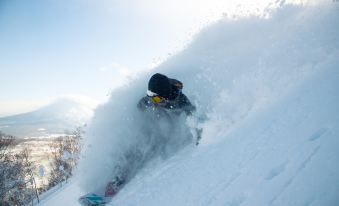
(93, 199)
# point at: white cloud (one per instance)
(116, 75)
(82, 99)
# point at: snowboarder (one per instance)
(163, 94)
(164, 99)
(166, 93)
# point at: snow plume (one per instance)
(231, 70)
(121, 136)
(238, 66)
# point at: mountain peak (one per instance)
(62, 114)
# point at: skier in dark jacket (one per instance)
(166, 93)
(164, 97)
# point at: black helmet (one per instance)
(163, 86)
(160, 85)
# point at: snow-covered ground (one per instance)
(267, 89)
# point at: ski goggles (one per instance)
(154, 97)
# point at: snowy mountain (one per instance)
(267, 89)
(55, 118)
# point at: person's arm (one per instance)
(186, 105)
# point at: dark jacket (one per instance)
(171, 90)
(178, 105)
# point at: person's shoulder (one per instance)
(186, 104)
(144, 103)
(183, 99)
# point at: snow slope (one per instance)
(287, 155)
(267, 89)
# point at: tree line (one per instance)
(18, 172)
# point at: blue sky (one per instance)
(52, 48)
